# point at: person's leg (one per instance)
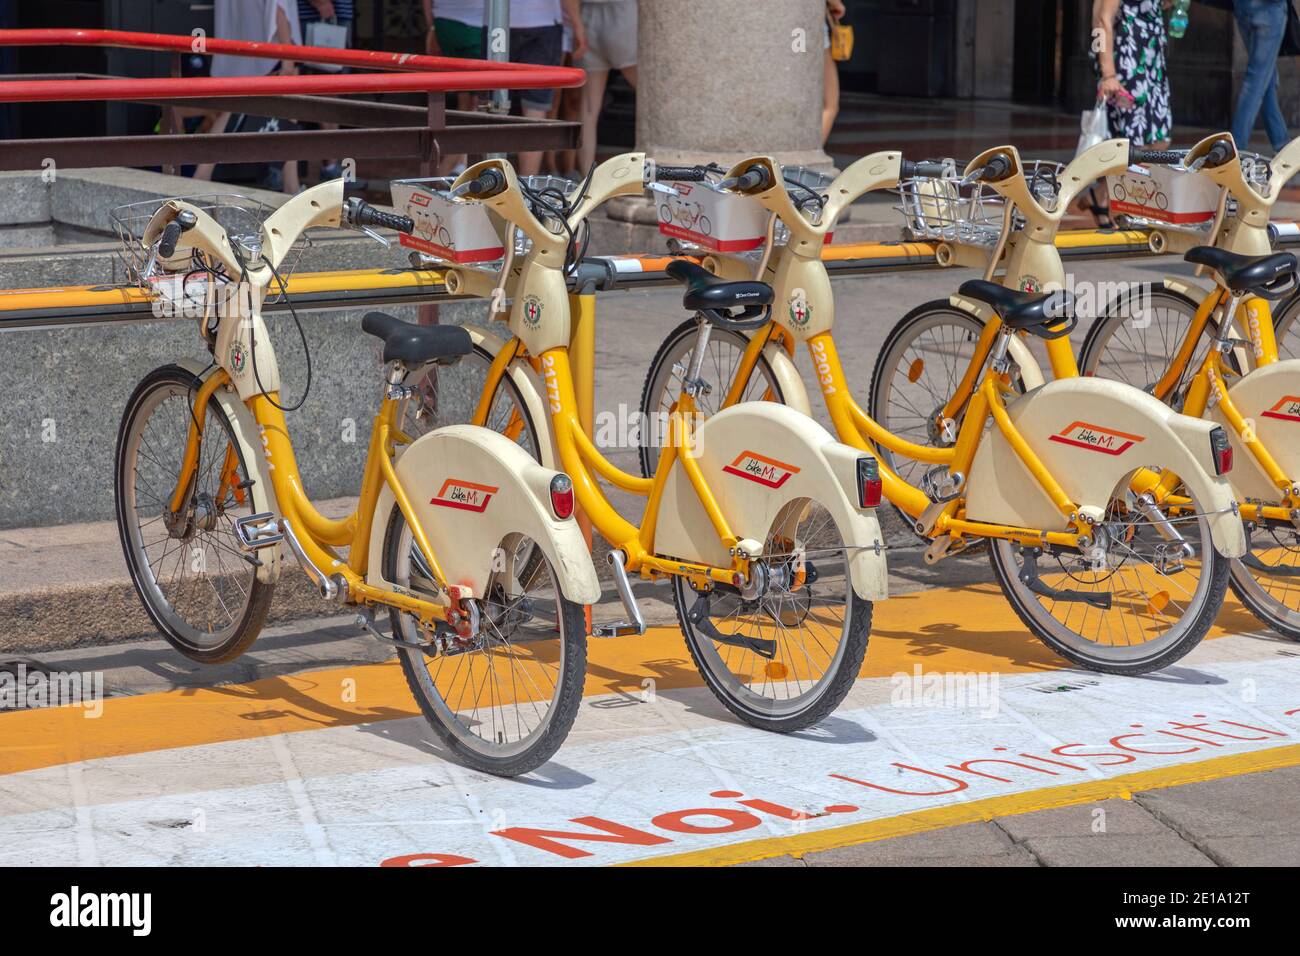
(465, 42)
(1274, 121)
(540, 46)
(593, 97)
(830, 96)
(215, 123)
(1253, 17)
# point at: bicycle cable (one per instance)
(252, 340)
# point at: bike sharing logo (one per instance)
(1287, 409)
(1095, 438)
(238, 358)
(465, 495)
(758, 468)
(532, 309)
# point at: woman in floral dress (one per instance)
(1128, 53)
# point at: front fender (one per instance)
(529, 385)
(1091, 434)
(756, 458)
(1031, 373)
(248, 436)
(787, 378)
(470, 488)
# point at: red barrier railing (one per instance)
(406, 72)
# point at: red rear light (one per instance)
(562, 496)
(1221, 450)
(868, 483)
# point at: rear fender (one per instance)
(1031, 373)
(1269, 399)
(1091, 434)
(757, 457)
(470, 488)
(248, 436)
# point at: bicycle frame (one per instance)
(245, 365)
(553, 334)
(802, 284)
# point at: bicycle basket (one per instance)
(237, 215)
(455, 232)
(941, 208)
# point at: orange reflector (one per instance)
(1158, 602)
(915, 369)
(775, 670)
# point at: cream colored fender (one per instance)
(530, 387)
(470, 488)
(1092, 433)
(787, 378)
(248, 436)
(1031, 373)
(1269, 399)
(757, 457)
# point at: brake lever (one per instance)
(663, 188)
(376, 236)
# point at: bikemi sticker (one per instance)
(1095, 438)
(1287, 409)
(761, 469)
(466, 495)
(532, 311)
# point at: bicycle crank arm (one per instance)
(1030, 579)
(699, 616)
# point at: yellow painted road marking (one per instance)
(944, 629)
(1122, 787)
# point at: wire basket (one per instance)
(941, 208)
(238, 215)
(557, 187)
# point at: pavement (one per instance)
(309, 750)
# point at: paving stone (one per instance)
(1122, 818)
(1250, 805)
(972, 844)
(1254, 851)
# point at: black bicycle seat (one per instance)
(1033, 312)
(414, 344)
(1270, 276)
(706, 291)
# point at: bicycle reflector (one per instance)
(1220, 450)
(868, 483)
(562, 496)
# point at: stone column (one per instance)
(719, 80)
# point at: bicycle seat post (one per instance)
(692, 384)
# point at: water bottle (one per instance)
(1178, 18)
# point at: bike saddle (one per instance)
(416, 344)
(1271, 276)
(708, 293)
(1033, 312)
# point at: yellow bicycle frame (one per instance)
(317, 534)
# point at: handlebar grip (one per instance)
(756, 177)
(485, 184)
(1155, 157)
(927, 168)
(368, 215)
(1220, 153)
(171, 235)
(996, 168)
(681, 174)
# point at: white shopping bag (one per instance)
(326, 34)
(1093, 127)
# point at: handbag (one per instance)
(1290, 33)
(327, 34)
(841, 39)
(1094, 127)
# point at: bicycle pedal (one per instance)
(635, 624)
(617, 629)
(941, 485)
(258, 531)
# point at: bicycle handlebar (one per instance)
(682, 174)
(756, 177)
(1221, 152)
(998, 166)
(928, 169)
(171, 235)
(362, 215)
(486, 184)
(1155, 157)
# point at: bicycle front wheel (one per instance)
(198, 586)
(663, 382)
